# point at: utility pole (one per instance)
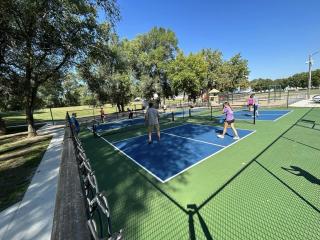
(310, 72)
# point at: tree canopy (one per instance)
(40, 40)
(299, 80)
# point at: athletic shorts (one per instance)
(151, 127)
(229, 122)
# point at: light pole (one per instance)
(310, 65)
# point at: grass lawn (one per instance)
(19, 158)
(276, 196)
(18, 117)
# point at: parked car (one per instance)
(316, 98)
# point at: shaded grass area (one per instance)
(266, 201)
(19, 158)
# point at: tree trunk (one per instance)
(30, 101)
(2, 127)
(118, 106)
(30, 121)
(31, 92)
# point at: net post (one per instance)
(254, 113)
(94, 130)
(172, 116)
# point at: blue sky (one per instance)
(275, 36)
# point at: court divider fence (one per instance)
(267, 99)
(81, 211)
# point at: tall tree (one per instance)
(214, 74)
(71, 90)
(237, 72)
(107, 70)
(40, 39)
(120, 90)
(188, 73)
(154, 51)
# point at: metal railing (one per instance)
(81, 211)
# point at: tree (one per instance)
(153, 53)
(120, 90)
(214, 74)
(41, 39)
(261, 84)
(2, 126)
(71, 90)
(51, 93)
(107, 70)
(187, 74)
(237, 72)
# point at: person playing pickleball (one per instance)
(250, 102)
(152, 121)
(229, 121)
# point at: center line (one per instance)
(194, 140)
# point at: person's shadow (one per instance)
(300, 172)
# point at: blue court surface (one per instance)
(180, 148)
(264, 115)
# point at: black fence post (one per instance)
(172, 116)
(211, 114)
(254, 113)
(288, 98)
(189, 112)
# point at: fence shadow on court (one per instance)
(187, 226)
(297, 171)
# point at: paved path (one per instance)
(305, 103)
(32, 217)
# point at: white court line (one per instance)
(282, 116)
(118, 149)
(199, 124)
(168, 179)
(206, 158)
(147, 134)
(195, 140)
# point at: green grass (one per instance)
(19, 158)
(19, 117)
(264, 201)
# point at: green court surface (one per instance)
(266, 186)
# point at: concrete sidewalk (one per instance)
(32, 217)
(305, 103)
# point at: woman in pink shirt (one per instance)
(229, 121)
(251, 102)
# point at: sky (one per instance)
(275, 36)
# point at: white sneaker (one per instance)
(236, 138)
(220, 136)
